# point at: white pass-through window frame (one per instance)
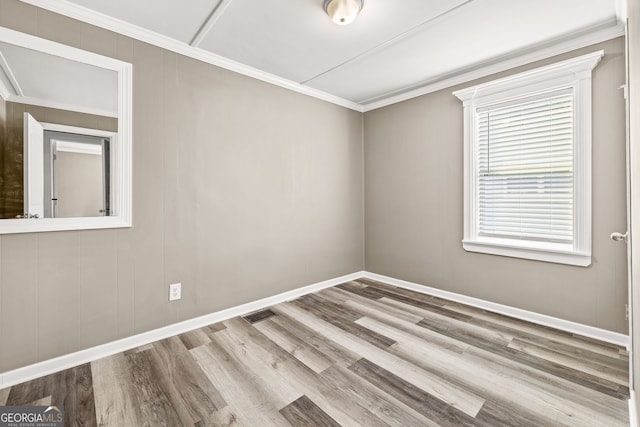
(573, 75)
(121, 149)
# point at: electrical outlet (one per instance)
(175, 291)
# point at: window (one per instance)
(527, 164)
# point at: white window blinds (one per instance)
(525, 169)
(527, 163)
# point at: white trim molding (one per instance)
(78, 148)
(46, 367)
(573, 75)
(495, 247)
(621, 10)
(7, 72)
(122, 150)
(37, 370)
(598, 33)
(10, 89)
(529, 316)
(83, 14)
(633, 410)
(47, 103)
(4, 92)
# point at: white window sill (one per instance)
(561, 254)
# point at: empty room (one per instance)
(319, 213)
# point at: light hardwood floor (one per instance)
(362, 353)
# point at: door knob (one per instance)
(619, 237)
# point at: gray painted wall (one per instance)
(414, 207)
(242, 190)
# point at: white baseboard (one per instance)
(633, 410)
(541, 319)
(20, 375)
(67, 361)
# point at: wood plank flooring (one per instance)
(360, 354)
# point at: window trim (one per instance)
(575, 74)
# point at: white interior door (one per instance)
(33, 167)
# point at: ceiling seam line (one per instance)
(209, 22)
(389, 42)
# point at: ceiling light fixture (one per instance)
(342, 12)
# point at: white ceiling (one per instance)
(395, 47)
(33, 77)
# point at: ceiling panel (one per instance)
(296, 40)
(474, 34)
(177, 19)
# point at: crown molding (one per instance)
(40, 102)
(595, 34)
(569, 67)
(81, 13)
(621, 10)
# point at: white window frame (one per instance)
(574, 74)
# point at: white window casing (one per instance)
(515, 211)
